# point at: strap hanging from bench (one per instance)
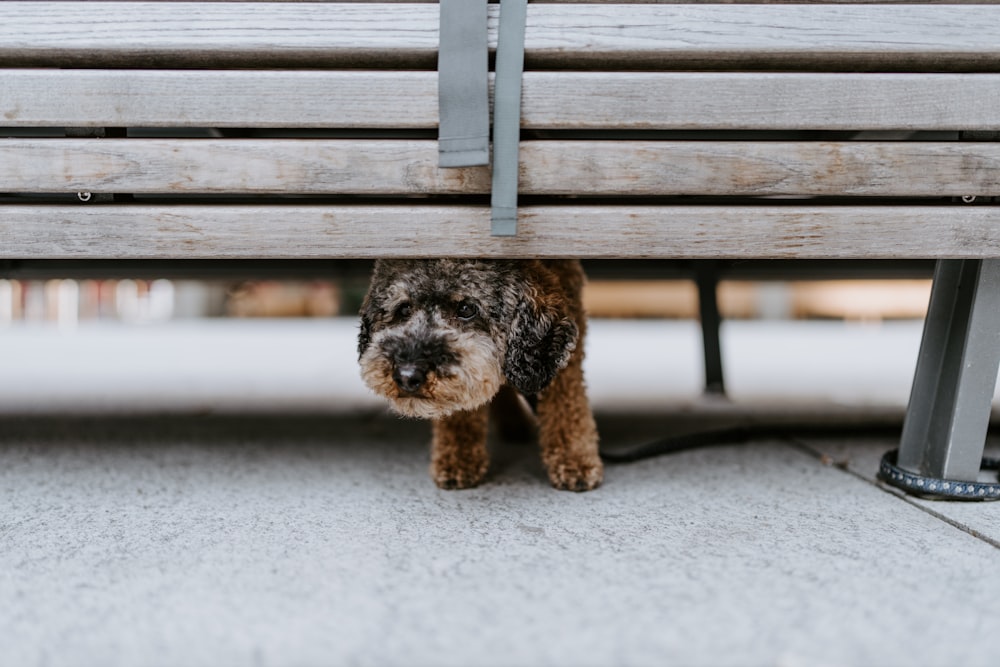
(463, 85)
(507, 115)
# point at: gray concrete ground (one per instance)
(253, 539)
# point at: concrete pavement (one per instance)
(247, 538)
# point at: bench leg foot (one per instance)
(944, 432)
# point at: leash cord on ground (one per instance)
(889, 472)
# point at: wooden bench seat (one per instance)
(310, 106)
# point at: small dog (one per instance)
(441, 338)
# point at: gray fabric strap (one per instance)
(507, 115)
(463, 85)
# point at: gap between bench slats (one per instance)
(657, 36)
(641, 168)
(358, 231)
(551, 100)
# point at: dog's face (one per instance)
(438, 336)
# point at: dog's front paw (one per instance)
(454, 474)
(577, 475)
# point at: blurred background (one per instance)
(288, 345)
(69, 302)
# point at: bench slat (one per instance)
(762, 101)
(643, 35)
(551, 100)
(806, 232)
(174, 98)
(674, 2)
(644, 168)
(87, 34)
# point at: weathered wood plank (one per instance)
(650, 2)
(87, 34)
(641, 35)
(238, 166)
(734, 168)
(171, 98)
(760, 101)
(618, 168)
(663, 37)
(174, 232)
(551, 100)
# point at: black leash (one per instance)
(741, 433)
(889, 472)
(679, 443)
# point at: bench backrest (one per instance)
(294, 130)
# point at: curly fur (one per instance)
(439, 339)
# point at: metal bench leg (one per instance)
(944, 432)
(707, 279)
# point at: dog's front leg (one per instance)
(458, 449)
(567, 432)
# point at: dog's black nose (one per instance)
(409, 377)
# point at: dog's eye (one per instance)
(465, 311)
(403, 311)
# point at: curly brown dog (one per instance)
(440, 338)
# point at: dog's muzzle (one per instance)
(416, 357)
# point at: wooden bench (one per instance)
(166, 131)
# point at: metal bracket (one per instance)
(463, 85)
(507, 116)
(463, 98)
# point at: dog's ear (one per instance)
(368, 315)
(371, 308)
(541, 338)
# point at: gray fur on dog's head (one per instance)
(463, 327)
